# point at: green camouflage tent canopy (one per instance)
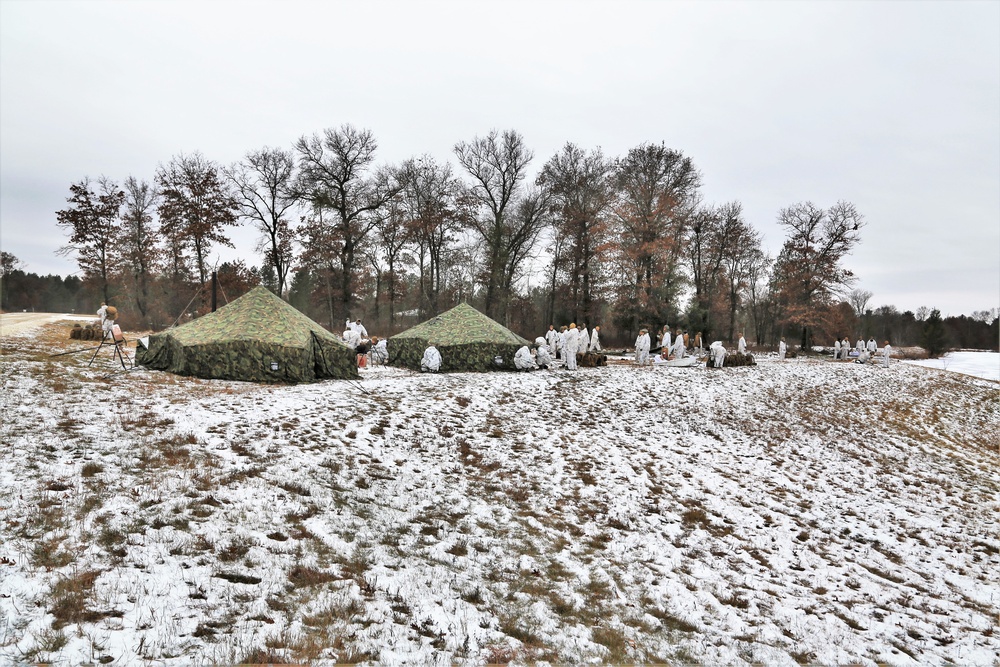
(256, 338)
(466, 339)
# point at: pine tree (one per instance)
(933, 335)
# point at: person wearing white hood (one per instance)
(380, 351)
(782, 349)
(872, 346)
(595, 339)
(718, 354)
(741, 345)
(571, 345)
(550, 338)
(836, 349)
(665, 340)
(584, 344)
(642, 348)
(523, 361)
(543, 356)
(352, 338)
(431, 361)
(679, 350)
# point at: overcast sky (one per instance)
(894, 106)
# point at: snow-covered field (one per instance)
(794, 512)
(979, 364)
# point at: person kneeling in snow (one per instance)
(543, 357)
(523, 361)
(431, 362)
(380, 352)
(717, 352)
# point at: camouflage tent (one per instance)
(256, 338)
(466, 339)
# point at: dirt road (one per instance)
(12, 323)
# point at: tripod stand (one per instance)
(114, 338)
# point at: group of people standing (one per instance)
(671, 346)
(862, 351)
(566, 343)
(558, 346)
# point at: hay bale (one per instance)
(734, 359)
(739, 359)
(75, 332)
(591, 359)
(112, 313)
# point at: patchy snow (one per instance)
(796, 511)
(968, 362)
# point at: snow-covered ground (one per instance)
(980, 364)
(799, 511)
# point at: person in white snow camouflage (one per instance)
(717, 351)
(679, 350)
(782, 349)
(352, 338)
(741, 345)
(665, 340)
(380, 352)
(642, 348)
(551, 336)
(523, 361)
(872, 346)
(572, 343)
(543, 356)
(595, 339)
(584, 343)
(431, 361)
(886, 353)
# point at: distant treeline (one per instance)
(625, 242)
(52, 293)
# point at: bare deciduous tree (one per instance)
(706, 246)
(334, 176)
(742, 252)
(509, 221)
(808, 273)
(140, 239)
(438, 209)
(582, 190)
(393, 236)
(859, 299)
(262, 184)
